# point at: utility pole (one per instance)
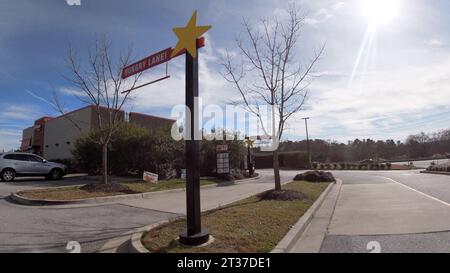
(307, 143)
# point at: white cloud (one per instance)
(338, 6)
(73, 2)
(13, 119)
(71, 92)
(433, 43)
(382, 104)
(17, 112)
(311, 21)
(324, 14)
(9, 139)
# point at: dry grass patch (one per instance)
(252, 225)
(76, 192)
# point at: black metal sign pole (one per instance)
(249, 161)
(194, 234)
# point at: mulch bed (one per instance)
(283, 195)
(315, 176)
(109, 187)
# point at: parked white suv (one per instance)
(23, 164)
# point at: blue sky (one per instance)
(401, 85)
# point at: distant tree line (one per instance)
(419, 146)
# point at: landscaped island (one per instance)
(252, 225)
(77, 192)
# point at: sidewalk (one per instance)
(313, 236)
(211, 198)
(354, 213)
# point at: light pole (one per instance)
(307, 142)
(249, 160)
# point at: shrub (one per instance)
(133, 150)
(88, 155)
(389, 165)
(315, 176)
(292, 160)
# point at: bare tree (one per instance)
(269, 74)
(98, 82)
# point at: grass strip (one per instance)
(252, 225)
(75, 193)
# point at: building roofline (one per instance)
(102, 107)
(73, 111)
(79, 109)
(152, 116)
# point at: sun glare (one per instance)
(381, 11)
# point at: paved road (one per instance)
(24, 229)
(35, 229)
(401, 211)
(404, 211)
(424, 163)
(211, 198)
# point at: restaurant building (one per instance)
(54, 137)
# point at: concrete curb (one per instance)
(289, 240)
(134, 244)
(109, 199)
(436, 172)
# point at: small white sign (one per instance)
(150, 177)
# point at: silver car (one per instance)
(23, 164)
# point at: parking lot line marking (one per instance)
(417, 191)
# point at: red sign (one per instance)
(222, 148)
(156, 59)
(149, 62)
(26, 143)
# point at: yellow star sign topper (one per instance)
(187, 36)
(249, 142)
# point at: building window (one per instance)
(68, 142)
(46, 146)
(56, 144)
